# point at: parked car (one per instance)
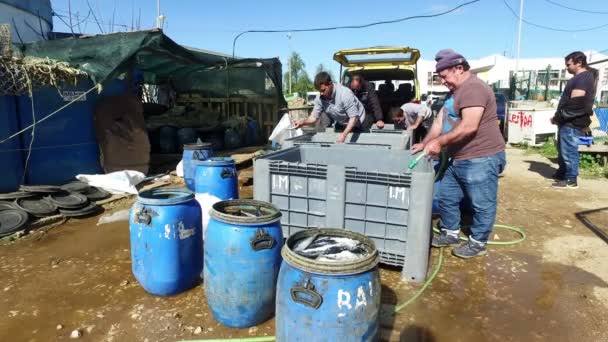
(392, 70)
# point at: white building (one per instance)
(496, 70)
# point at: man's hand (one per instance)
(298, 123)
(432, 148)
(380, 124)
(417, 148)
(341, 138)
(553, 121)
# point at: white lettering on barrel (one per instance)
(280, 182)
(183, 232)
(361, 300)
(371, 289)
(396, 193)
(167, 231)
(344, 299)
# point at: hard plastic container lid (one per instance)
(217, 161)
(197, 146)
(166, 196)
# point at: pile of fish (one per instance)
(330, 248)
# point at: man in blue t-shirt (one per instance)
(573, 117)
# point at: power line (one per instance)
(548, 27)
(351, 26)
(575, 9)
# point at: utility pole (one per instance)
(159, 17)
(521, 14)
(289, 61)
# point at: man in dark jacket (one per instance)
(573, 117)
(366, 93)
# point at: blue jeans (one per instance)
(567, 152)
(476, 178)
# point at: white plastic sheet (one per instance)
(283, 130)
(179, 169)
(206, 201)
(118, 182)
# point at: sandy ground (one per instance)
(552, 287)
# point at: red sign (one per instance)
(522, 119)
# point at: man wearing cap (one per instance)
(340, 104)
(466, 127)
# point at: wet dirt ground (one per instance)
(552, 287)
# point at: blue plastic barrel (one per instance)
(186, 136)
(253, 133)
(166, 241)
(232, 139)
(242, 260)
(330, 300)
(66, 144)
(216, 139)
(167, 139)
(217, 177)
(192, 154)
(11, 155)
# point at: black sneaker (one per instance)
(564, 184)
(556, 177)
(469, 249)
(444, 239)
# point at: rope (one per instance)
(47, 147)
(29, 152)
(50, 115)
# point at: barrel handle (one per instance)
(143, 215)
(262, 240)
(306, 295)
(196, 155)
(227, 173)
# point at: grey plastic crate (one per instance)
(396, 139)
(359, 189)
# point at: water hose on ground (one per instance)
(412, 299)
(428, 282)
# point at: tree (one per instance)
(321, 68)
(300, 82)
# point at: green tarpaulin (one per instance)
(162, 61)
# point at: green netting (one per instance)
(162, 61)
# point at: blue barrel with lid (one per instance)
(194, 153)
(166, 241)
(329, 289)
(242, 259)
(217, 177)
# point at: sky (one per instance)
(477, 30)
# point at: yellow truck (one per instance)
(391, 70)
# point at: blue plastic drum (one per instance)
(194, 153)
(217, 177)
(242, 260)
(332, 299)
(166, 241)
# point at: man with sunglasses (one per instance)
(466, 127)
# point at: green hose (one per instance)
(428, 282)
(424, 286)
(500, 243)
(412, 299)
